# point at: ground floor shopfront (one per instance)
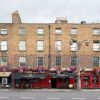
(5, 80)
(50, 79)
(90, 81)
(34, 81)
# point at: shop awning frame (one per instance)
(5, 74)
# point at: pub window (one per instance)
(95, 80)
(86, 80)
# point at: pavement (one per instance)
(49, 94)
(48, 90)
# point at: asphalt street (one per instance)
(50, 95)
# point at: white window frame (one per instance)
(22, 31)
(40, 31)
(74, 46)
(96, 31)
(4, 31)
(73, 30)
(22, 60)
(58, 31)
(22, 45)
(58, 45)
(38, 61)
(96, 46)
(40, 45)
(3, 45)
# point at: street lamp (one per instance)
(79, 44)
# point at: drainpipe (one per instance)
(49, 55)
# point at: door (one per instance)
(54, 83)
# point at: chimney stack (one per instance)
(15, 17)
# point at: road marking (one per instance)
(98, 98)
(27, 97)
(79, 98)
(53, 98)
(3, 97)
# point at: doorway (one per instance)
(54, 83)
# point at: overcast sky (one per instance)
(46, 11)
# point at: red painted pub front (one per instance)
(90, 78)
(45, 79)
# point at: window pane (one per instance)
(73, 61)
(40, 61)
(58, 31)
(58, 45)
(22, 45)
(58, 61)
(22, 61)
(3, 31)
(22, 31)
(96, 61)
(96, 31)
(3, 45)
(40, 31)
(74, 46)
(40, 45)
(74, 31)
(3, 61)
(96, 46)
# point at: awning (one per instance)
(59, 76)
(28, 76)
(5, 74)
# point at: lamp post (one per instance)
(79, 44)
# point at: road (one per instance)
(50, 95)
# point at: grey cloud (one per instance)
(48, 10)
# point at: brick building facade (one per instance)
(47, 44)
